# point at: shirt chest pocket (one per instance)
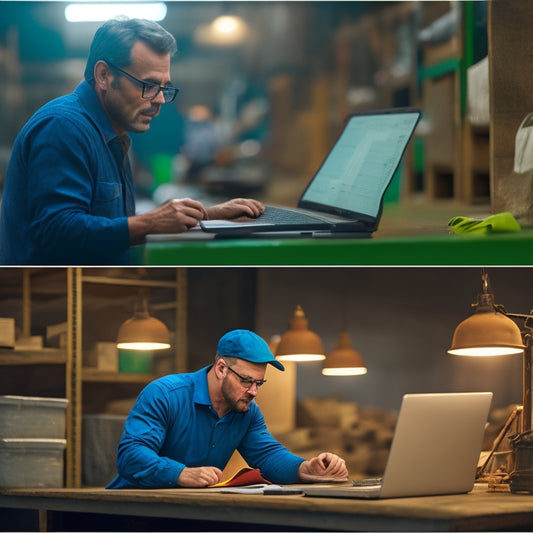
(108, 200)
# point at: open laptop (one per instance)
(435, 450)
(345, 197)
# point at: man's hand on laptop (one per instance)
(325, 467)
(174, 216)
(238, 210)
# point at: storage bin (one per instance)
(135, 361)
(100, 437)
(31, 463)
(32, 417)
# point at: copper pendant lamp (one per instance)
(344, 360)
(298, 343)
(142, 331)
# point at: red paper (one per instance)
(245, 476)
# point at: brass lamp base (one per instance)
(521, 479)
(521, 482)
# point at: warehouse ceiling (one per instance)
(45, 35)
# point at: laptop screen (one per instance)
(359, 168)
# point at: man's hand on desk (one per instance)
(237, 209)
(325, 467)
(201, 476)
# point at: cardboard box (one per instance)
(7, 332)
(35, 342)
(106, 356)
(56, 335)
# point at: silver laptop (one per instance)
(345, 197)
(435, 450)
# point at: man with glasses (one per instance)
(69, 194)
(184, 428)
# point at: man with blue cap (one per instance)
(184, 428)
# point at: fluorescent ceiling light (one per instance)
(101, 11)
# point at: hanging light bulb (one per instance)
(225, 30)
(142, 331)
(298, 343)
(488, 332)
(344, 360)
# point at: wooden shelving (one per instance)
(80, 380)
(46, 356)
(92, 375)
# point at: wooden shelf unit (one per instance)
(76, 375)
(46, 356)
(456, 154)
(93, 375)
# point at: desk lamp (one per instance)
(142, 331)
(298, 343)
(491, 332)
(344, 360)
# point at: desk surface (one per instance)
(479, 510)
(485, 250)
(407, 235)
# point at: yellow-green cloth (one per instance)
(501, 222)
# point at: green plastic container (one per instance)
(135, 361)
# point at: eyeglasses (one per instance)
(150, 90)
(245, 381)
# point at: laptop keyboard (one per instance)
(281, 215)
(367, 482)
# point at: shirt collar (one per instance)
(201, 392)
(90, 101)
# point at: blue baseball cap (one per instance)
(246, 345)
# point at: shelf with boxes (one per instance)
(454, 88)
(86, 315)
(101, 376)
(108, 379)
(44, 356)
(111, 378)
(30, 366)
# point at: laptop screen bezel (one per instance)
(346, 213)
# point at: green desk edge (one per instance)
(489, 249)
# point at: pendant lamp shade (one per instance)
(344, 360)
(298, 343)
(487, 332)
(143, 332)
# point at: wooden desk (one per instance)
(205, 510)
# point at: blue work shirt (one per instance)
(173, 425)
(68, 188)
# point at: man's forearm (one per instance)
(139, 227)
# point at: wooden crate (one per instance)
(476, 164)
(442, 143)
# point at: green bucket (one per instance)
(135, 361)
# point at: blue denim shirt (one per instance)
(68, 188)
(173, 425)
